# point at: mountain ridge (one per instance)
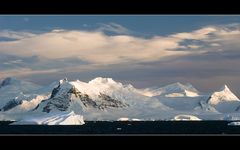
(107, 99)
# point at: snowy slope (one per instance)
(224, 100)
(172, 90)
(15, 90)
(64, 118)
(69, 93)
(14, 85)
(21, 96)
(180, 97)
(223, 95)
(182, 103)
(101, 98)
(67, 102)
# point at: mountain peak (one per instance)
(225, 88)
(68, 93)
(185, 89)
(63, 81)
(8, 81)
(176, 89)
(224, 94)
(102, 80)
(176, 84)
(180, 86)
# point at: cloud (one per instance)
(215, 44)
(49, 69)
(24, 72)
(99, 48)
(200, 34)
(18, 61)
(194, 46)
(93, 47)
(34, 63)
(179, 55)
(221, 38)
(113, 27)
(15, 34)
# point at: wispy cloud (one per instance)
(200, 34)
(113, 27)
(97, 47)
(15, 34)
(194, 46)
(20, 72)
(94, 47)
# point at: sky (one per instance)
(144, 51)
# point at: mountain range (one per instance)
(71, 102)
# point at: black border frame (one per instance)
(119, 7)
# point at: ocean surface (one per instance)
(125, 127)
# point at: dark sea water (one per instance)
(126, 127)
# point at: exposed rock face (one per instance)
(6, 81)
(238, 108)
(11, 104)
(59, 103)
(107, 101)
(85, 99)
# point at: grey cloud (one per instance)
(8, 62)
(11, 65)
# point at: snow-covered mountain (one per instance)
(172, 90)
(224, 100)
(69, 94)
(69, 102)
(223, 95)
(13, 92)
(15, 85)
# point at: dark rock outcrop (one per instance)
(6, 82)
(107, 101)
(11, 104)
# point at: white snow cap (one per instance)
(225, 88)
(172, 90)
(101, 80)
(63, 81)
(224, 94)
